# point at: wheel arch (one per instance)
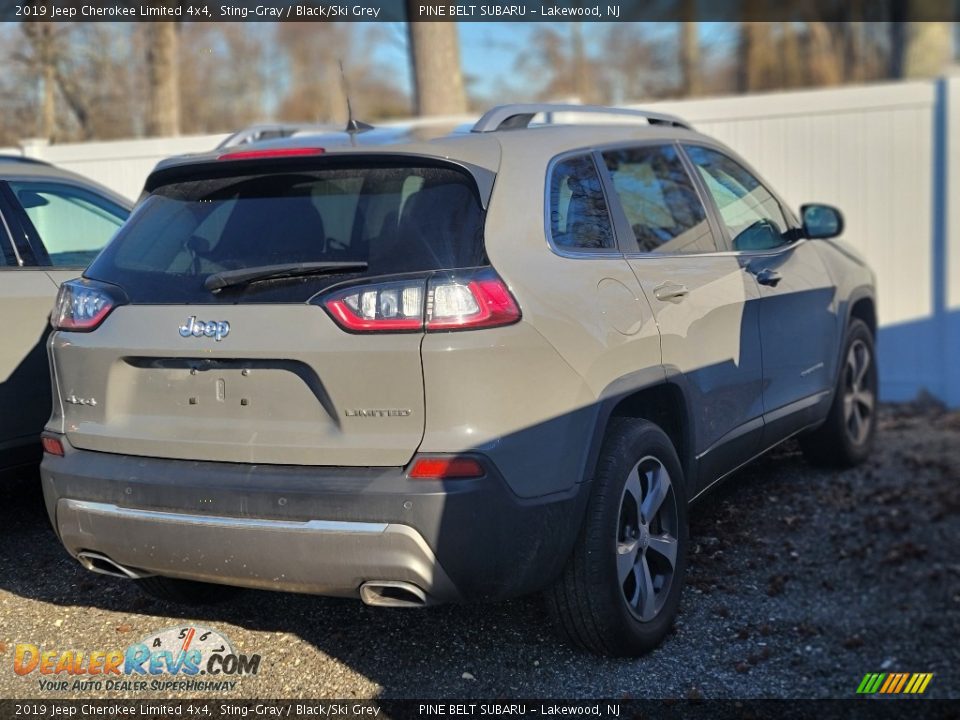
(661, 400)
(863, 306)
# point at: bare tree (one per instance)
(756, 56)
(313, 53)
(824, 65)
(926, 47)
(43, 63)
(435, 51)
(691, 83)
(163, 79)
(792, 66)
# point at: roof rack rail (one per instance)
(518, 116)
(7, 157)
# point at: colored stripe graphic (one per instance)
(891, 680)
(903, 680)
(894, 683)
(875, 685)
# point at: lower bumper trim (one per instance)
(325, 557)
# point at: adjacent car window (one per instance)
(751, 213)
(8, 257)
(395, 219)
(579, 219)
(72, 224)
(659, 200)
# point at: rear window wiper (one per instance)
(244, 276)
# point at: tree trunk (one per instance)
(49, 124)
(42, 41)
(689, 50)
(792, 67)
(927, 48)
(756, 57)
(163, 79)
(438, 80)
(825, 65)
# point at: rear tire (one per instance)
(186, 592)
(620, 590)
(846, 437)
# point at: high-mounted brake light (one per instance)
(446, 468)
(462, 300)
(82, 305)
(266, 154)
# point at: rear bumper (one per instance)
(318, 530)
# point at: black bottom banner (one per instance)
(433, 709)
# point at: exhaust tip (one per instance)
(99, 563)
(393, 593)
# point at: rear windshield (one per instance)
(395, 219)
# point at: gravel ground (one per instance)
(801, 581)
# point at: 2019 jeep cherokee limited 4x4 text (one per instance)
(489, 364)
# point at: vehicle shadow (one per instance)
(25, 399)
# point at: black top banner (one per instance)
(477, 10)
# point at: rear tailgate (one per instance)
(281, 381)
(286, 385)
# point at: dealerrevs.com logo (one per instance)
(174, 659)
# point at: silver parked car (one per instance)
(494, 363)
(52, 224)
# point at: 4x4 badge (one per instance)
(217, 329)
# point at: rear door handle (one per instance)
(768, 276)
(670, 291)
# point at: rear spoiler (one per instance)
(186, 168)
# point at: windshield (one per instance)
(394, 220)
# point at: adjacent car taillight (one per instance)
(462, 300)
(82, 305)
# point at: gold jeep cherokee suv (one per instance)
(493, 363)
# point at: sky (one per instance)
(488, 51)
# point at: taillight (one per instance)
(446, 468)
(389, 306)
(51, 445)
(82, 305)
(443, 301)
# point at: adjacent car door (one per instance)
(703, 302)
(75, 223)
(799, 327)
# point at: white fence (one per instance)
(885, 154)
(889, 156)
(121, 165)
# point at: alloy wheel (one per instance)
(858, 394)
(647, 538)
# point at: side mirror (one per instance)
(821, 221)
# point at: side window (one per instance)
(659, 200)
(752, 215)
(72, 224)
(579, 219)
